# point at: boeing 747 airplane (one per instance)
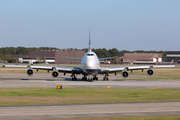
(90, 68)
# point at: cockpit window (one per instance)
(90, 54)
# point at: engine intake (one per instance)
(55, 74)
(125, 74)
(150, 72)
(30, 72)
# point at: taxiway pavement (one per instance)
(44, 80)
(89, 110)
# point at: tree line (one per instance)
(11, 54)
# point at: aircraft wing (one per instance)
(128, 68)
(72, 58)
(107, 58)
(75, 70)
(15, 65)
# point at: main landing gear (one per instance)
(74, 78)
(92, 79)
(89, 79)
(105, 78)
(84, 78)
(95, 78)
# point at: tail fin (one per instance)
(89, 42)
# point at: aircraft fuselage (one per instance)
(90, 64)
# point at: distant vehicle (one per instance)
(90, 67)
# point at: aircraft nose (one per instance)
(90, 65)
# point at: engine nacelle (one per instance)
(55, 74)
(125, 74)
(30, 72)
(150, 72)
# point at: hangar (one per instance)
(173, 55)
(140, 58)
(52, 56)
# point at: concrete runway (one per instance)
(89, 110)
(44, 80)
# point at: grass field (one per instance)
(22, 96)
(167, 117)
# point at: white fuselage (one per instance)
(90, 61)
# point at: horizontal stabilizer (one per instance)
(72, 58)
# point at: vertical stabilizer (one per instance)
(89, 42)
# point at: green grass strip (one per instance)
(166, 117)
(20, 96)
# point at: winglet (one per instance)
(3, 64)
(89, 42)
(176, 63)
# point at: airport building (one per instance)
(54, 56)
(173, 56)
(140, 58)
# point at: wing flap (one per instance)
(64, 69)
(163, 66)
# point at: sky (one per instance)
(122, 24)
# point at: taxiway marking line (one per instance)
(68, 86)
(108, 86)
(156, 88)
(39, 86)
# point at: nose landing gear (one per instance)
(90, 80)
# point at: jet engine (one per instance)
(150, 72)
(55, 74)
(30, 72)
(125, 74)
